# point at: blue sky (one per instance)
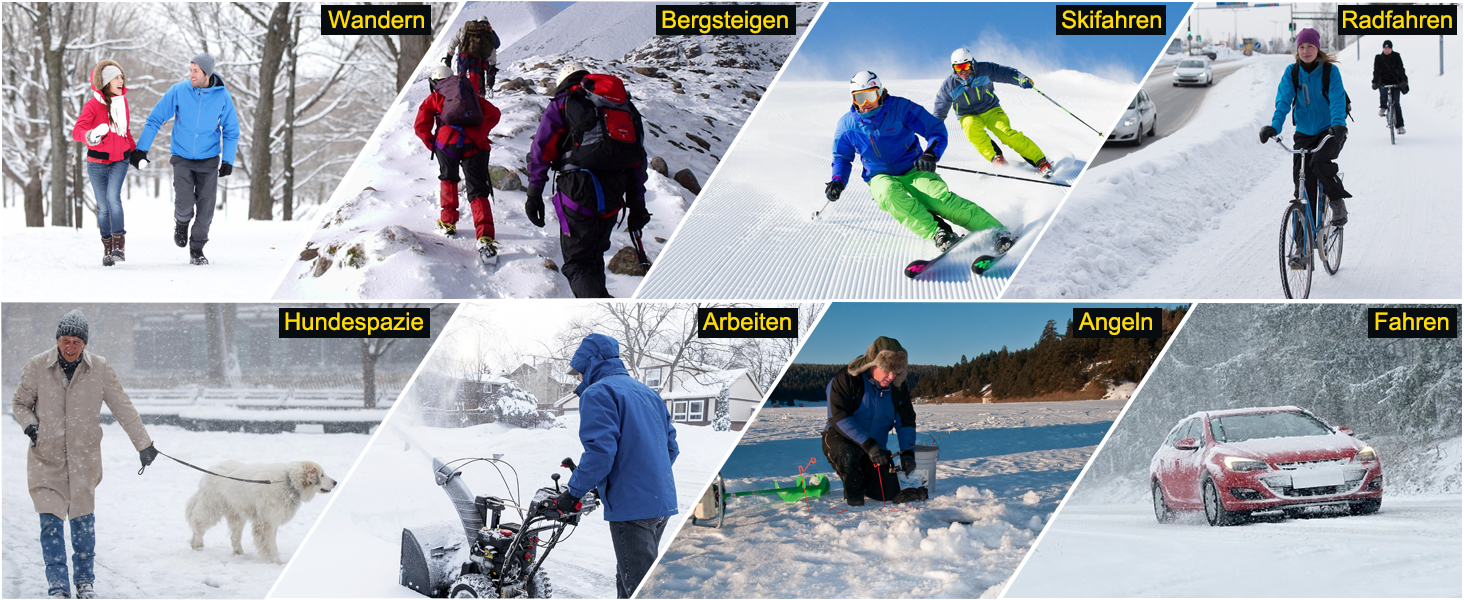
(934, 333)
(914, 40)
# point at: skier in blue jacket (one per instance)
(866, 401)
(971, 91)
(882, 130)
(1315, 115)
(630, 445)
(205, 130)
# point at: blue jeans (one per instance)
(635, 545)
(106, 179)
(53, 548)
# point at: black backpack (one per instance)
(603, 128)
(1326, 85)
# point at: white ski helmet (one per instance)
(569, 68)
(860, 87)
(961, 56)
(440, 73)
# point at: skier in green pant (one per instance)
(969, 88)
(882, 130)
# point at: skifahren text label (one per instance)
(1114, 19)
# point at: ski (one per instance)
(914, 269)
(984, 262)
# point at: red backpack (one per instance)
(603, 128)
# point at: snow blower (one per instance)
(487, 557)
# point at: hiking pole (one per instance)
(1064, 109)
(640, 250)
(818, 212)
(1005, 176)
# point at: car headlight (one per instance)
(1128, 122)
(1241, 465)
(1366, 454)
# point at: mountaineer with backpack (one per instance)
(476, 48)
(454, 122)
(1311, 89)
(591, 135)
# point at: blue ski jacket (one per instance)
(975, 95)
(861, 410)
(629, 441)
(1314, 112)
(205, 123)
(884, 139)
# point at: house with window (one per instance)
(544, 381)
(691, 391)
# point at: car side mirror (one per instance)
(1187, 444)
(1344, 429)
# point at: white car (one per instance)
(1137, 122)
(1193, 71)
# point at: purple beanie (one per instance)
(1309, 36)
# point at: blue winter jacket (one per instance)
(205, 123)
(627, 434)
(975, 95)
(1314, 113)
(885, 139)
(875, 412)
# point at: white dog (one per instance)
(268, 506)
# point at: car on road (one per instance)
(1193, 71)
(1235, 463)
(1137, 122)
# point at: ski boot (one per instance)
(448, 229)
(487, 250)
(1339, 211)
(945, 238)
(180, 234)
(119, 241)
(84, 590)
(1004, 242)
(1045, 168)
(107, 252)
(911, 495)
(998, 160)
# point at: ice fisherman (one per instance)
(103, 126)
(866, 400)
(969, 88)
(1388, 70)
(205, 137)
(630, 446)
(881, 129)
(461, 151)
(1311, 89)
(58, 404)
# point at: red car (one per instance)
(1232, 463)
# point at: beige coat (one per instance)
(65, 465)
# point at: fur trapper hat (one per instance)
(888, 355)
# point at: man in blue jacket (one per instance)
(629, 448)
(205, 130)
(866, 401)
(969, 88)
(881, 129)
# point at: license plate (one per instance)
(1314, 478)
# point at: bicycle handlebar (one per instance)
(1305, 150)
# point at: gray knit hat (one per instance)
(205, 63)
(73, 324)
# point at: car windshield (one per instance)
(1191, 64)
(1134, 103)
(1239, 428)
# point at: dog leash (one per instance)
(144, 467)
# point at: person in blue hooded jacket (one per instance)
(1315, 114)
(866, 401)
(882, 130)
(630, 446)
(205, 137)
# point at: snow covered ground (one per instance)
(753, 222)
(142, 535)
(1196, 215)
(358, 543)
(246, 258)
(378, 238)
(1003, 469)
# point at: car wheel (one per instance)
(1367, 507)
(1215, 511)
(1153, 124)
(1161, 508)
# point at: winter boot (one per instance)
(1401, 131)
(944, 239)
(119, 242)
(180, 234)
(1045, 168)
(1004, 241)
(911, 495)
(84, 590)
(1339, 211)
(196, 257)
(487, 250)
(107, 252)
(1297, 261)
(1383, 112)
(60, 595)
(448, 229)
(447, 198)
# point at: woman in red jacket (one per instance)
(102, 126)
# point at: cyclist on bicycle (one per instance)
(1388, 70)
(1315, 115)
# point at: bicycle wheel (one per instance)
(1329, 240)
(1295, 282)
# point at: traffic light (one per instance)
(1292, 26)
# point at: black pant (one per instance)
(636, 544)
(473, 168)
(860, 475)
(1397, 106)
(588, 236)
(195, 186)
(1320, 166)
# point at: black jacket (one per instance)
(846, 399)
(1388, 70)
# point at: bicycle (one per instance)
(1301, 233)
(1391, 112)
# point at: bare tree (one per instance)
(223, 352)
(55, 30)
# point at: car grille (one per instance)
(1292, 466)
(1280, 484)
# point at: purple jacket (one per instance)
(550, 127)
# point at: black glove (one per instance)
(833, 190)
(1405, 88)
(148, 454)
(926, 162)
(1375, 85)
(225, 169)
(447, 61)
(877, 454)
(534, 206)
(1267, 133)
(30, 430)
(136, 157)
(567, 503)
(907, 461)
(1339, 132)
(637, 219)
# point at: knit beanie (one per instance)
(73, 324)
(109, 73)
(1387, 43)
(1309, 36)
(205, 63)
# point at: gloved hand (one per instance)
(447, 60)
(225, 169)
(1026, 82)
(637, 219)
(30, 430)
(534, 206)
(567, 503)
(1339, 132)
(138, 156)
(833, 190)
(877, 454)
(95, 135)
(926, 162)
(907, 461)
(148, 454)
(1267, 133)
(1375, 85)
(1405, 87)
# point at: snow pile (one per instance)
(1196, 214)
(1003, 468)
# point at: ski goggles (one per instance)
(964, 67)
(866, 99)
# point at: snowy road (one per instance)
(1175, 106)
(1411, 548)
(1003, 468)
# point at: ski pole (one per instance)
(818, 212)
(1005, 176)
(1064, 109)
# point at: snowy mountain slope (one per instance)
(1196, 215)
(142, 535)
(753, 221)
(379, 238)
(605, 30)
(1003, 468)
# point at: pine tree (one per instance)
(722, 422)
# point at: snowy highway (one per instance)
(1175, 106)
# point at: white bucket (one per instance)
(925, 460)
